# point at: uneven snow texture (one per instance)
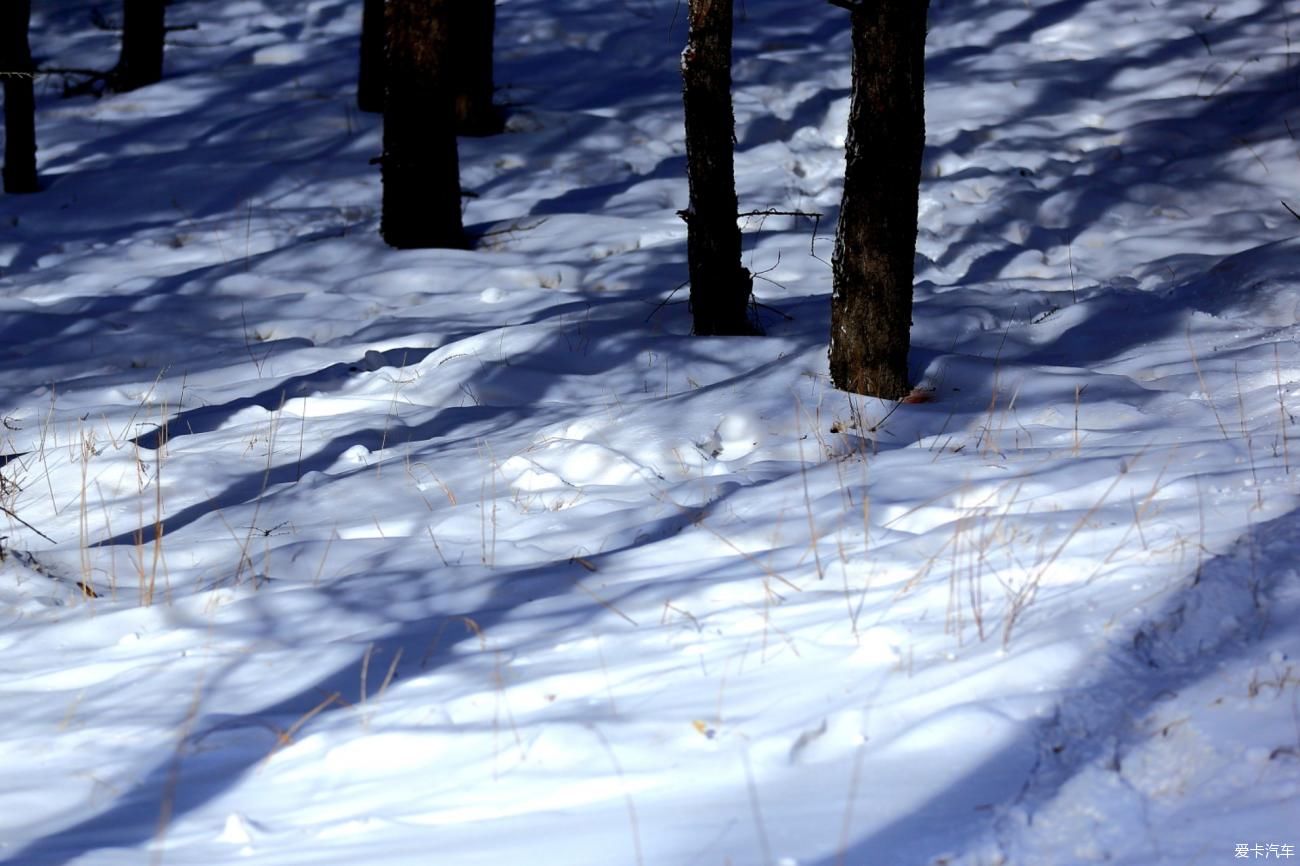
(318, 552)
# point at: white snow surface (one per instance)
(478, 557)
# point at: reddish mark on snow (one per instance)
(919, 395)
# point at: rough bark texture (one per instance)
(474, 25)
(20, 104)
(143, 27)
(421, 168)
(720, 286)
(875, 243)
(370, 75)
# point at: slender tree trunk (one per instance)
(370, 76)
(143, 28)
(720, 285)
(20, 102)
(875, 243)
(474, 26)
(421, 168)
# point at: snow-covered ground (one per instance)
(479, 558)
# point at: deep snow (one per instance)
(479, 558)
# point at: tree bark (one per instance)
(370, 75)
(20, 101)
(875, 243)
(474, 26)
(421, 167)
(720, 285)
(143, 28)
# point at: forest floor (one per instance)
(317, 552)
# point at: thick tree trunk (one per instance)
(421, 168)
(370, 75)
(143, 28)
(20, 103)
(875, 244)
(474, 26)
(720, 285)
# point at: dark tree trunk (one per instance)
(875, 244)
(143, 27)
(474, 25)
(720, 285)
(20, 103)
(370, 77)
(421, 168)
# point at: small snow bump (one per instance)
(1258, 755)
(280, 55)
(356, 454)
(236, 830)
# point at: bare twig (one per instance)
(665, 302)
(28, 525)
(812, 215)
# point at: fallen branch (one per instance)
(28, 525)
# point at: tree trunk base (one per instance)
(421, 166)
(875, 241)
(720, 286)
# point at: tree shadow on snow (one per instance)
(220, 749)
(1132, 678)
(1219, 614)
